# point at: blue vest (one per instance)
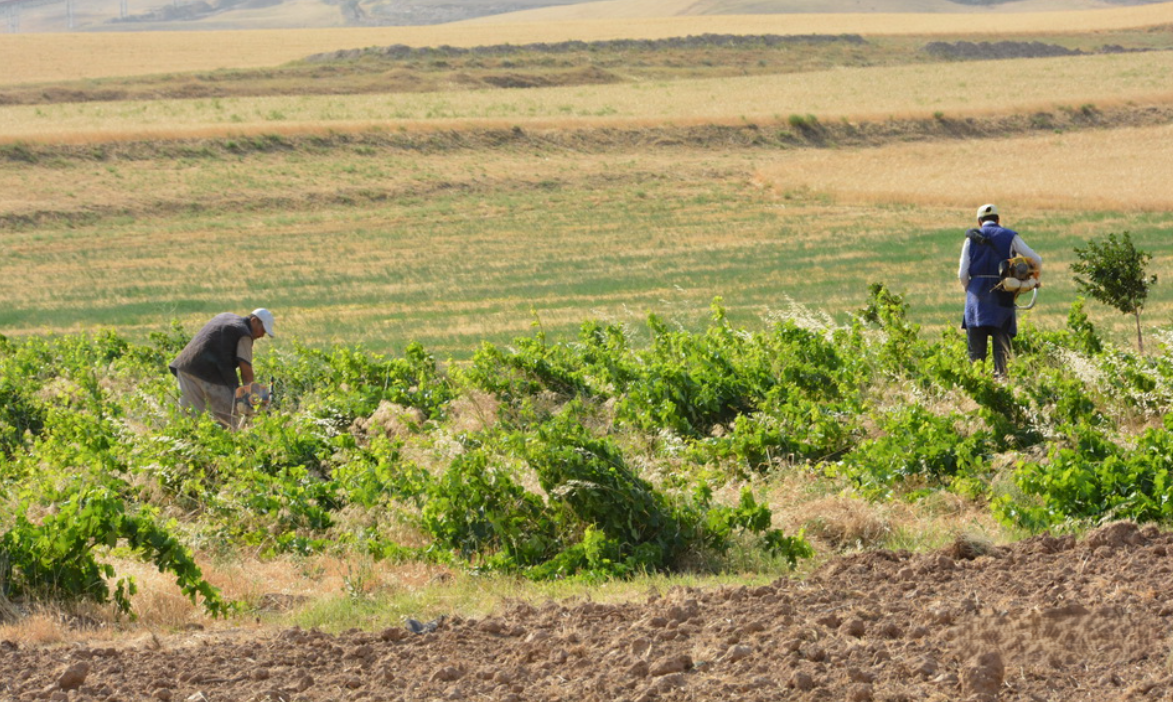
(984, 306)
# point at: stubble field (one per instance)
(43, 57)
(852, 94)
(452, 217)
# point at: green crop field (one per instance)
(451, 268)
(399, 249)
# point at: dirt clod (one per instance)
(639, 669)
(447, 674)
(1114, 536)
(74, 676)
(854, 627)
(801, 681)
(860, 693)
(671, 664)
(984, 675)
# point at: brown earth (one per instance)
(1045, 619)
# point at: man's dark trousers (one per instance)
(979, 338)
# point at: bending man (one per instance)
(989, 313)
(206, 368)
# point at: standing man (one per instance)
(989, 313)
(206, 368)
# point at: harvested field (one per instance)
(952, 89)
(1043, 619)
(35, 58)
(1050, 170)
(94, 231)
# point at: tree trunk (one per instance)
(1139, 341)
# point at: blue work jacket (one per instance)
(984, 306)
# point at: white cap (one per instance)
(990, 210)
(266, 318)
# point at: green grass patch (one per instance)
(472, 263)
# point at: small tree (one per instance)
(1114, 275)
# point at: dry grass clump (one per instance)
(841, 522)
(8, 613)
(269, 589)
(391, 420)
(836, 519)
(37, 629)
(472, 411)
(158, 604)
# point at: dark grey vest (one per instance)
(211, 354)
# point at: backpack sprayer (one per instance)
(1019, 275)
(250, 399)
(1015, 275)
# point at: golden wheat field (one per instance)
(34, 58)
(1111, 170)
(964, 88)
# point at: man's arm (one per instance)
(963, 265)
(244, 359)
(1019, 246)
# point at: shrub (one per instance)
(1092, 478)
(915, 444)
(55, 556)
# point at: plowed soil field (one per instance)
(1044, 619)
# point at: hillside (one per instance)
(668, 8)
(33, 16)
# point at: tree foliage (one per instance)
(1112, 271)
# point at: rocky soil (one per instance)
(1045, 619)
